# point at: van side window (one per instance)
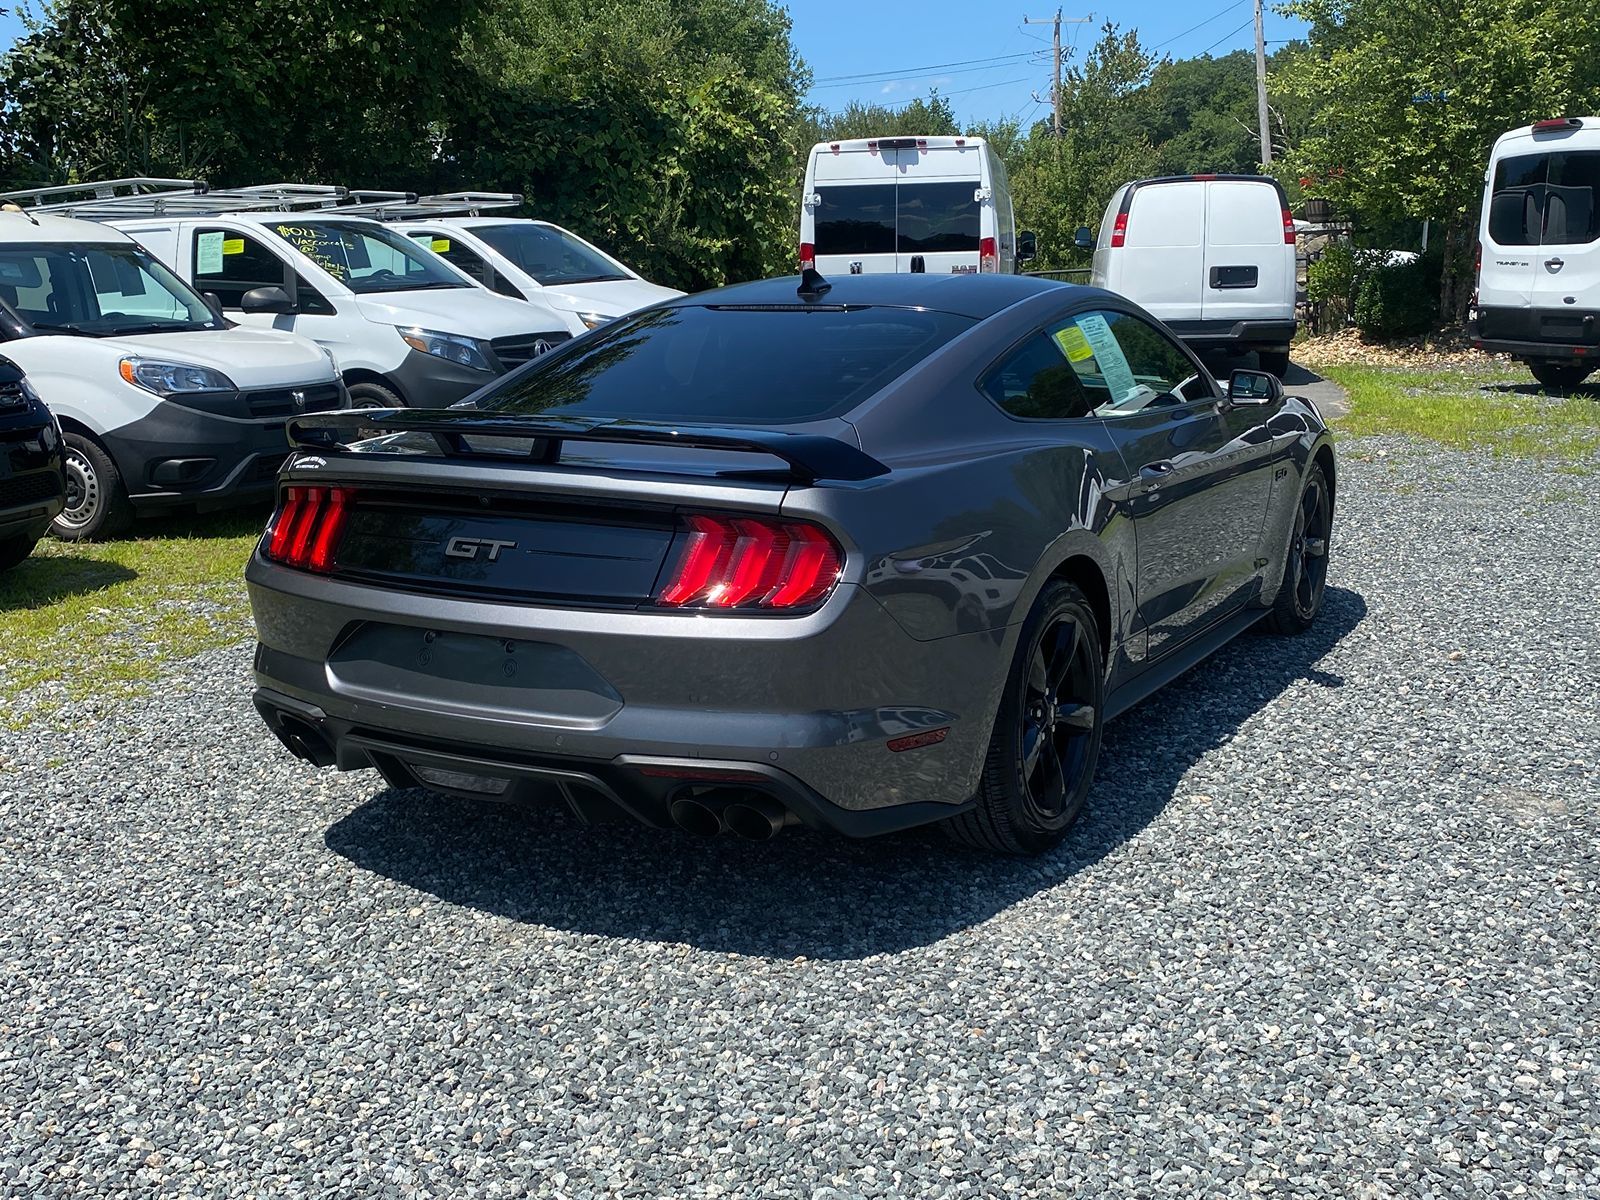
(1127, 365)
(230, 263)
(453, 252)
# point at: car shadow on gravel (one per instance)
(804, 893)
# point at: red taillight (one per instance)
(752, 562)
(1288, 228)
(988, 257)
(1477, 262)
(1557, 123)
(306, 529)
(808, 256)
(1119, 231)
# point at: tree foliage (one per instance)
(930, 117)
(1409, 96)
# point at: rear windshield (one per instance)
(734, 366)
(882, 218)
(1545, 199)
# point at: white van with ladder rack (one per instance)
(163, 404)
(940, 205)
(525, 259)
(406, 328)
(1538, 296)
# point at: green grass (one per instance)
(1474, 409)
(105, 618)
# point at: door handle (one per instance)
(1555, 264)
(1155, 470)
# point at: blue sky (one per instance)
(980, 54)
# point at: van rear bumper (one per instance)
(1559, 335)
(1245, 335)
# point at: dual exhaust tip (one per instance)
(750, 815)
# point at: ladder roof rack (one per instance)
(445, 204)
(147, 196)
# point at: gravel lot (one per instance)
(1329, 929)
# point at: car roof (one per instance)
(42, 227)
(976, 296)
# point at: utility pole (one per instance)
(1261, 91)
(1055, 90)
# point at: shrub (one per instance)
(1395, 301)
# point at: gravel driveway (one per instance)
(1329, 929)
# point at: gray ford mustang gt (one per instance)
(858, 556)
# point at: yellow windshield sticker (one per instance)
(1074, 344)
(440, 245)
(233, 245)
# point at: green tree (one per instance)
(1058, 184)
(1409, 96)
(931, 117)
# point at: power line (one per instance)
(926, 67)
(1228, 35)
(894, 76)
(1222, 13)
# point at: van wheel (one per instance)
(97, 501)
(1274, 362)
(367, 394)
(1559, 376)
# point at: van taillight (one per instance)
(1477, 263)
(306, 529)
(751, 563)
(1119, 231)
(1288, 228)
(1557, 123)
(988, 259)
(808, 256)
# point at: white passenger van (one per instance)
(1212, 256)
(940, 205)
(541, 263)
(1538, 296)
(162, 402)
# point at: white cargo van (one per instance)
(161, 402)
(1212, 256)
(406, 328)
(1538, 295)
(539, 262)
(940, 205)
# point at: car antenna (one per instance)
(812, 285)
(17, 208)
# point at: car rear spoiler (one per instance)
(811, 457)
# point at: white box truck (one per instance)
(1213, 256)
(940, 205)
(1538, 296)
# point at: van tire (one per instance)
(1560, 376)
(97, 500)
(367, 394)
(1274, 362)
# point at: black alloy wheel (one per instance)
(1305, 573)
(1046, 738)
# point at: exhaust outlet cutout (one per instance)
(756, 818)
(304, 741)
(694, 817)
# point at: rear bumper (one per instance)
(1538, 335)
(1246, 335)
(808, 704)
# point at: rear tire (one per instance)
(1560, 376)
(97, 501)
(1305, 570)
(14, 550)
(1046, 738)
(1274, 362)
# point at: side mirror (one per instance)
(214, 303)
(266, 300)
(1253, 387)
(1027, 247)
(1084, 238)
